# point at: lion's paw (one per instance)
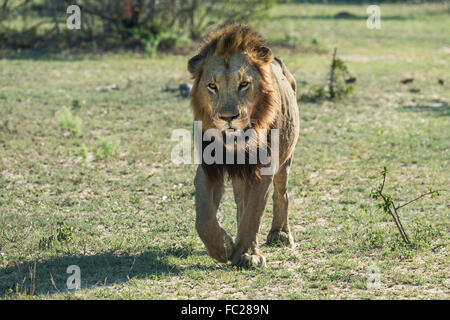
(280, 238)
(249, 261)
(221, 251)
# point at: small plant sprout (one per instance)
(67, 121)
(389, 206)
(64, 233)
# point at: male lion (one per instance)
(238, 85)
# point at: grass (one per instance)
(94, 167)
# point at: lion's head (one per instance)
(232, 88)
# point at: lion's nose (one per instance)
(228, 116)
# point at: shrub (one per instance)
(340, 84)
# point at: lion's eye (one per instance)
(243, 85)
(212, 86)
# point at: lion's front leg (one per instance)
(207, 199)
(246, 252)
(240, 188)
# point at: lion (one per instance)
(240, 85)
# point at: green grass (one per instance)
(94, 168)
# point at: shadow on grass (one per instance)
(52, 55)
(342, 17)
(96, 270)
(439, 109)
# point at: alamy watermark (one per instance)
(74, 280)
(374, 19)
(249, 146)
(74, 20)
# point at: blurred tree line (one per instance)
(361, 1)
(151, 24)
(148, 24)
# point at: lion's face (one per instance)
(230, 89)
(233, 86)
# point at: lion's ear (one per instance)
(264, 54)
(195, 63)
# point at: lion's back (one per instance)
(288, 121)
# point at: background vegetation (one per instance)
(145, 24)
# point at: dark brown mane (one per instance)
(248, 171)
(217, 172)
(225, 42)
(234, 38)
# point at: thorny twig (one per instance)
(389, 206)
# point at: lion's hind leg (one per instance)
(280, 233)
